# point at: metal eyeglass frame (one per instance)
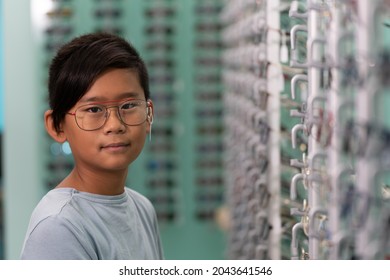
(107, 113)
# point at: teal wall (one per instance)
(1, 70)
(22, 183)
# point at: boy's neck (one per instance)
(104, 183)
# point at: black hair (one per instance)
(78, 64)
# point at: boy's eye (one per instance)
(94, 109)
(129, 105)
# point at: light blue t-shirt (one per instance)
(68, 224)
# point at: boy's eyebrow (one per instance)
(103, 98)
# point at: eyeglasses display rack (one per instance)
(253, 80)
(208, 109)
(334, 177)
(347, 210)
(163, 160)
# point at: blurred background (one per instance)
(272, 129)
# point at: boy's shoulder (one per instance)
(52, 203)
(138, 198)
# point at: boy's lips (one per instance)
(118, 146)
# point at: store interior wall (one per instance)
(22, 187)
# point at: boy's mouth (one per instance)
(119, 146)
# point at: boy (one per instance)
(99, 99)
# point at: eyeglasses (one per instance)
(131, 112)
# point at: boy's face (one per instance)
(115, 145)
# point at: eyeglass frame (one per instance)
(147, 102)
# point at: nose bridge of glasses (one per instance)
(107, 113)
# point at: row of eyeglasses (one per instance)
(248, 101)
(339, 199)
(345, 211)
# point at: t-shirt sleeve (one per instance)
(148, 211)
(157, 236)
(154, 221)
(56, 239)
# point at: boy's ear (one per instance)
(58, 136)
(150, 115)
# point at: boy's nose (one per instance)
(113, 122)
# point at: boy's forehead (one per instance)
(107, 98)
(115, 84)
